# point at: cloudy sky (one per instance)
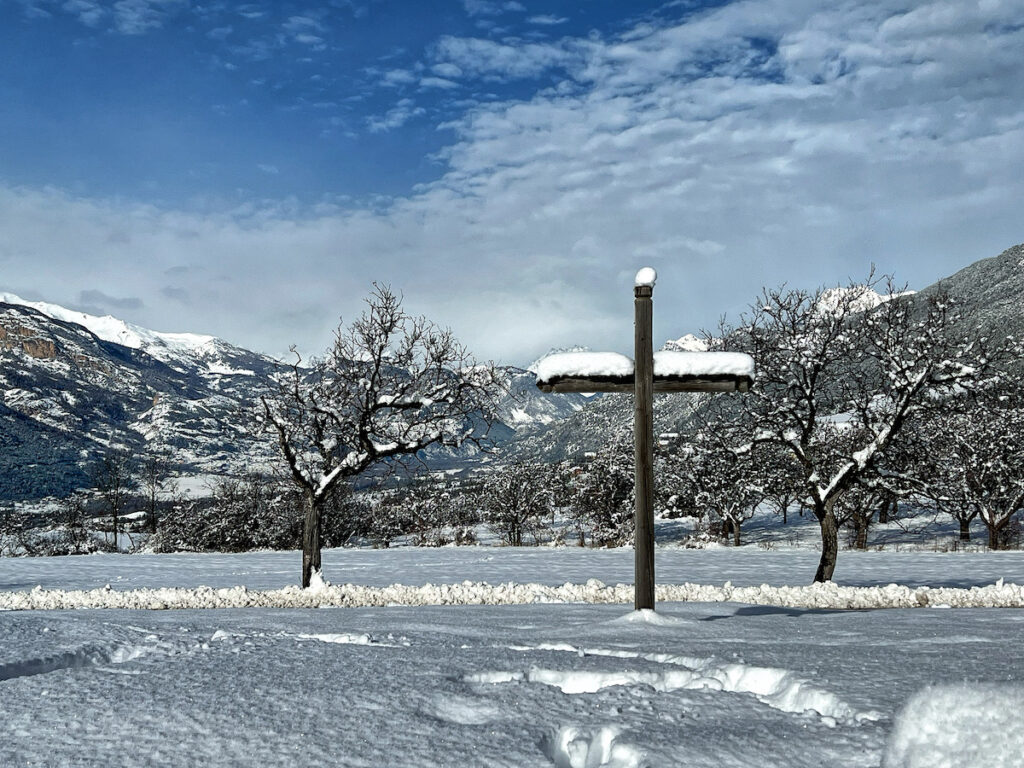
(249, 169)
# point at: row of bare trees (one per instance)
(862, 397)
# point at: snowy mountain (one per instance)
(71, 384)
(990, 293)
(71, 388)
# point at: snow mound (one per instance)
(461, 710)
(647, 616)
(672, 363)
(959, 726)
(826, 596)
(647, 276)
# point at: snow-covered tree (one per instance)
(390, 386)
(603, 498)
(515, 499)
(725, 484)
(840, 372)
(155, 482)
(974, 467)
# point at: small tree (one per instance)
(75, 538)
(113, 477)
(155, 482)
(390, 386)
(724, 484)
(515, 499)
(603, 502)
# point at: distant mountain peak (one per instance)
(687, 343)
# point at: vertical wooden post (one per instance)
(643, 448)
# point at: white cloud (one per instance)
(395, 117)
(397, 77)
(438, 82)
(480, 57)
(136, 17)
(547, 20)
(491, 7)
(89, 12)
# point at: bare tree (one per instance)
(840, 375)
(155, 482)
(390, 386)
(113, 477)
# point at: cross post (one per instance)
(645, 374)
(643, 446)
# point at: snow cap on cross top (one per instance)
(646, 276)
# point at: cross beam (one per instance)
(644, 375)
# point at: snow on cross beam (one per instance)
(673, 372)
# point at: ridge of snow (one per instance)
(583, 365)
(825, 595)
(672, 363)
(163, 346)
(532, 367)
(864, 299)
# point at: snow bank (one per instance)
(828, 595)
(959, 726)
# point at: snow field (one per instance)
(537, 685)
(728, 680)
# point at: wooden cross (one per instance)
(646, 374)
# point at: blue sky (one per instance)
(247, 169)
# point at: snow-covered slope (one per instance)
(182, 351)
(67, 391)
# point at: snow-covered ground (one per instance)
(698, 684)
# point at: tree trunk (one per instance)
(883, 511)
(860, 524)
(829, 544)
(785, 509)
(993, 537)
(965, 528)
(735, 533)
(310, 542)
(115, 521)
